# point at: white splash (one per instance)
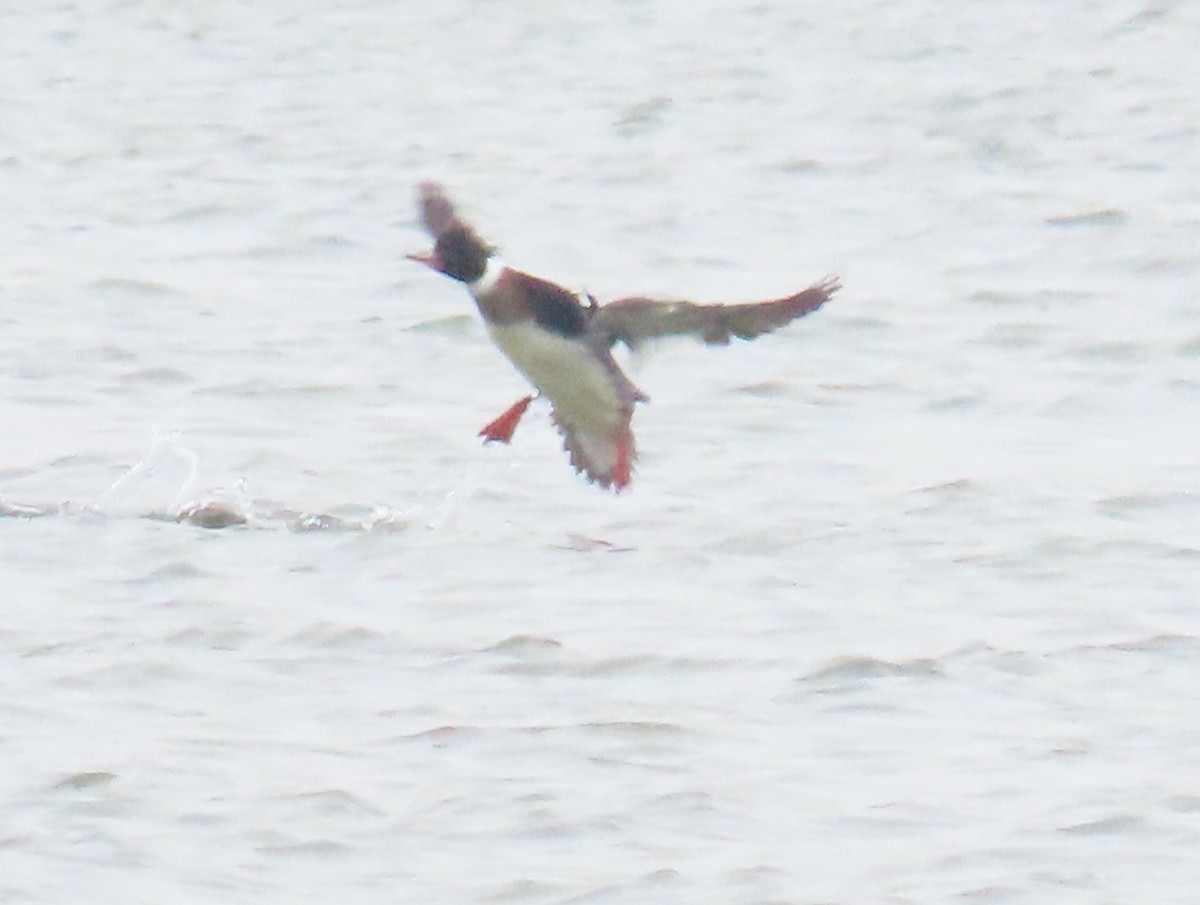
(157, 485)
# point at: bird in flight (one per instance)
(562, 342)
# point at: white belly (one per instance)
(566, 372)
(592, 401)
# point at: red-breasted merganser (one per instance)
(563, 342)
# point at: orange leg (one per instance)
(622, 471)
(501, 429)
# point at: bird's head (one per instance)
(458, 251)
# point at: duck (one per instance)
(562, 341)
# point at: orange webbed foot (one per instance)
(501, 429)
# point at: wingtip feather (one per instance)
(437, 210)
(584, 451)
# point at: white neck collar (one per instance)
(489, 278)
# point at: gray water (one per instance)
(901, 606)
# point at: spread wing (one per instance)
(635, 320)
(605, 456)
(437, 210)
